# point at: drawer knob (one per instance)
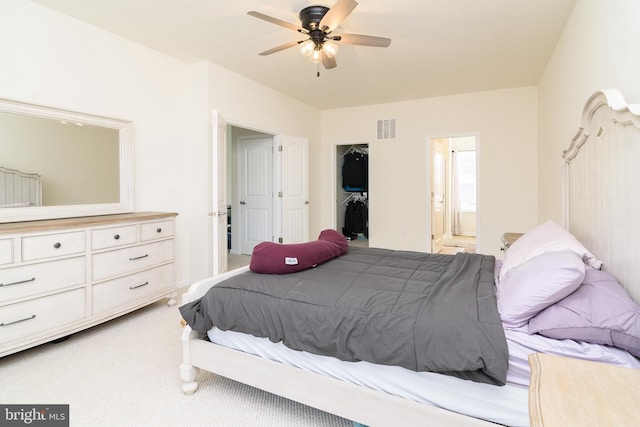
(57, 245)
(159, 230)
(138, 257)
(116, 237)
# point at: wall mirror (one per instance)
(62, 164)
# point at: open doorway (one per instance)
(264, 193)
(250, 192)
(453, 194)
(352, 192)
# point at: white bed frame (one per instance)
(610, 133)
(19, 189)
(350, 401)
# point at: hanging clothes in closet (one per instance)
(355, 171)
(356, 219)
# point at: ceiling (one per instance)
(438, 48)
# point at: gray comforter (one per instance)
(420, 311)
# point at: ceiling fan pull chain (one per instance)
(318, 72)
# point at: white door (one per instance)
(438, 193)
(255, 161)
(219, 193)
(292, 215)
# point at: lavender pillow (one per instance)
(275, 258)
(546, 237)
(536, 284)
(600, 312)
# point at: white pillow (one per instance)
(547, 237)
(536, 284)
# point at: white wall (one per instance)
(598, 50)
(247, 104)
(505, 122)
(51, 59)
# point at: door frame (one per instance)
(218, 193)
(446, 185)
(476, 135)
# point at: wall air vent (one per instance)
(387, 129)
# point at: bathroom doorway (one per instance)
(453, 194)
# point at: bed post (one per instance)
(188, 372)
(173, 299)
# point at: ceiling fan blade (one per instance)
(363, 40)
(328, 63)
(273, 20)
(278, 48)
(337, 14)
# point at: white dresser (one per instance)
(61, 276)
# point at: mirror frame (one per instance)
(125, 205)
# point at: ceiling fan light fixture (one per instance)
(316, 56)
(318, 23)
(330, 48)
(307, 47)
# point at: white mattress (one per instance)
(507, 405)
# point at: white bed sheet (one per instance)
(507, 405)
(521, 345)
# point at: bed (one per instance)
(19, 189)
(587, 259)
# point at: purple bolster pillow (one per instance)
(277, 258)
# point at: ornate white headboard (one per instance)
(19, 189)
(602, 185)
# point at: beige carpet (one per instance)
(125, 373)
(237, 261)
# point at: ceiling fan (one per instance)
(319, 22)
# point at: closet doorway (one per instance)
(267, 187)
(352, 192)
(250, 183)
(263, 197)
(453, 194)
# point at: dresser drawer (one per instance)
(113, 237)
(127, 260)
(24, 281)
(6, 251)
(29, 318)
(52, 245)
(156, 230)
(117, 293)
